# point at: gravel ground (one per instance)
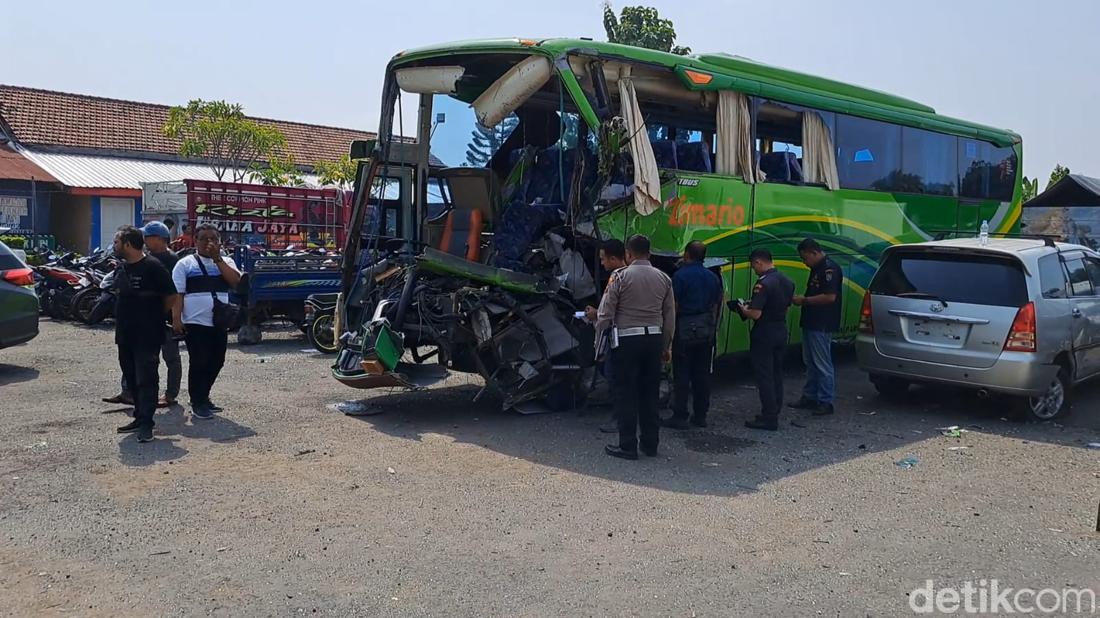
(438, 506)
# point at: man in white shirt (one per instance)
(199, 278)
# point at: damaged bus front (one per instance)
(477, 241)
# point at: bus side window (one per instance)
(986, 171)
(869, 153)
(779, 142)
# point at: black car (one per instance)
(18, 302)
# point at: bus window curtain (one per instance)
(734, 156)
(647, 181)
(818, 154)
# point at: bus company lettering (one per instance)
(681, 212)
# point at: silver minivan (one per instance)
(1016, 317)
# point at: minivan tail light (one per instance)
(19, 276)
(866, 324)
(1022, 335)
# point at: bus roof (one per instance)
(744, 75)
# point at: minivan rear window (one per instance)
(953, 277)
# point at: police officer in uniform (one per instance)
(820, 319)
(612, 259)
(639, 312)
(771, 297)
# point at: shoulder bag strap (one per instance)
(202, 267)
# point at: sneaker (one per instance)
(675, 422)
(805, 404)
(130, 427)
(123, 398)
(824, 409)
(145, 434)
(213, 407)
(701, 423)
(202, 411)
(762, 423)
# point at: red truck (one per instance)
(269, 217)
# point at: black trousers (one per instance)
(767, 345)
(637, 369)
(691, 366)
(140, 364)
(206, 347)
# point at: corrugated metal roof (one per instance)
(93, 172)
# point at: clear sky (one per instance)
(1030, 66)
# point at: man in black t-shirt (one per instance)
(820, 319)
(157, 237)
(145, 293)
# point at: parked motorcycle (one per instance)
(54, 286)
(93, 305)
(319, 324)
(59, 281)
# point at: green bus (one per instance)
(619, 140)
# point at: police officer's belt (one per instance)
(639, 330)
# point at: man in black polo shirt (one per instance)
(145, 293)
(820, 319)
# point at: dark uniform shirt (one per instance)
(168, 259)
(772, 295)
(825, 278)
(139, 309)
(697, 289)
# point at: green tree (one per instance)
(485, 141)
(1030, 188)
(1059, 173)
(220, 133)
(339, 173)
(281, 170)
(641, 26)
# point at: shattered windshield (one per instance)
(458, 140)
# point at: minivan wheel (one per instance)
(890, 387)
(1052, 403)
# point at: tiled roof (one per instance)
(14, 166)
(49, 118)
